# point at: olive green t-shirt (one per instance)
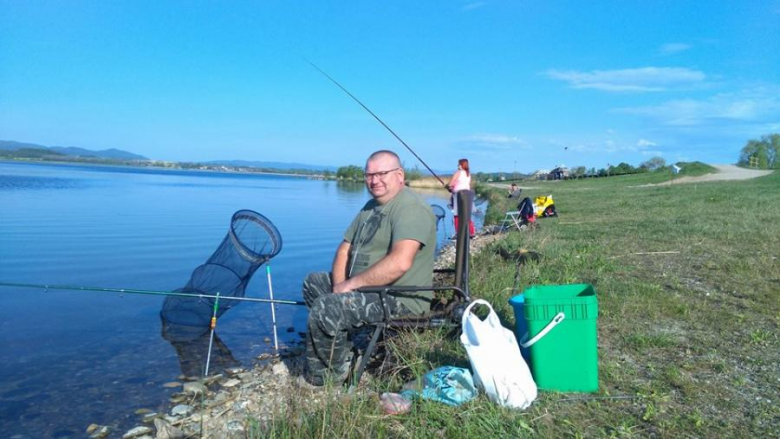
(377, 227)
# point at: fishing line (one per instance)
(377, 118)
(150, 292)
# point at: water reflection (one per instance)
(185, 325)
(350, 186)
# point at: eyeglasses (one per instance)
(380, 174)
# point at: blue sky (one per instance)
(511, 85)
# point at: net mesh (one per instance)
(251, 241)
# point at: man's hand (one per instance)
(343, 287)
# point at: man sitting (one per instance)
(514, 191)
(391, 241)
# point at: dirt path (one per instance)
(725, 172)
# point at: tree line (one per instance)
(763, 153)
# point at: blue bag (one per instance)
(450, 385)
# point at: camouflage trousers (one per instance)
(331, 318)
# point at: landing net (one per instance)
(251, 242)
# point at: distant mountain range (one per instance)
(118, 154)
(113, 153)
(270, 165)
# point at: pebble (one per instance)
(267, 340)
(92, 428)
(149, 417)
(142, 411)
(172, 384)
(101, 432)
(195, 388)
(136, 432)
(231, 383)
(181, 410)
(167, 431)
(280, 369)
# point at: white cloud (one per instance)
(645, 79)
(642, 143)
(672, 48)
(495, 142)
(759, 104)
(473, 5)
(612, 146)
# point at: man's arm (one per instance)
(339, 270)
(386, 271)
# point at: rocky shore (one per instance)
(220, 405)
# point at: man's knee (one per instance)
(316, 285)
(327, 315)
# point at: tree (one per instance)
(653, 164)
(578, 172)
(763, 153)
(622, 169)
(350, 172)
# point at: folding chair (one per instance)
(450, 316)
(520, 217)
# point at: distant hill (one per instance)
(10, 145)
(271, 165)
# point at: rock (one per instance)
(264, 356)
(212, 379)
(291, 329)
(181, 410)
(172, 384)
(142, 411)
(167, 431)
(233, 371)
(267, 340)
(231, 383)
(136, 432)
(195, 388)
(280, 369)
(235, 428)
(149, 417)
(100, 433)
(92, 427)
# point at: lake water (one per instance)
(72, 358)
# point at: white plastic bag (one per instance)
(497, 365)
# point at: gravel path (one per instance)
(725, 172)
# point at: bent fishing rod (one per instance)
(378, 119)
(47, 287)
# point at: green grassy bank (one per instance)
(688, 283)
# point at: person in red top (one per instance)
(461, 181)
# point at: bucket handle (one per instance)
(553, 323)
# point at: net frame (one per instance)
(251, 241)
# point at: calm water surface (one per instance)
(72, 358)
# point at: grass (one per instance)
(688, 283)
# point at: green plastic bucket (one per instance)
(562, 336)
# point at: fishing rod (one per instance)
(377, 118)
(150, 292)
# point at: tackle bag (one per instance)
(497, 365)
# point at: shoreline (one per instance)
(218, 406)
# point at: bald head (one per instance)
(385, 154)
